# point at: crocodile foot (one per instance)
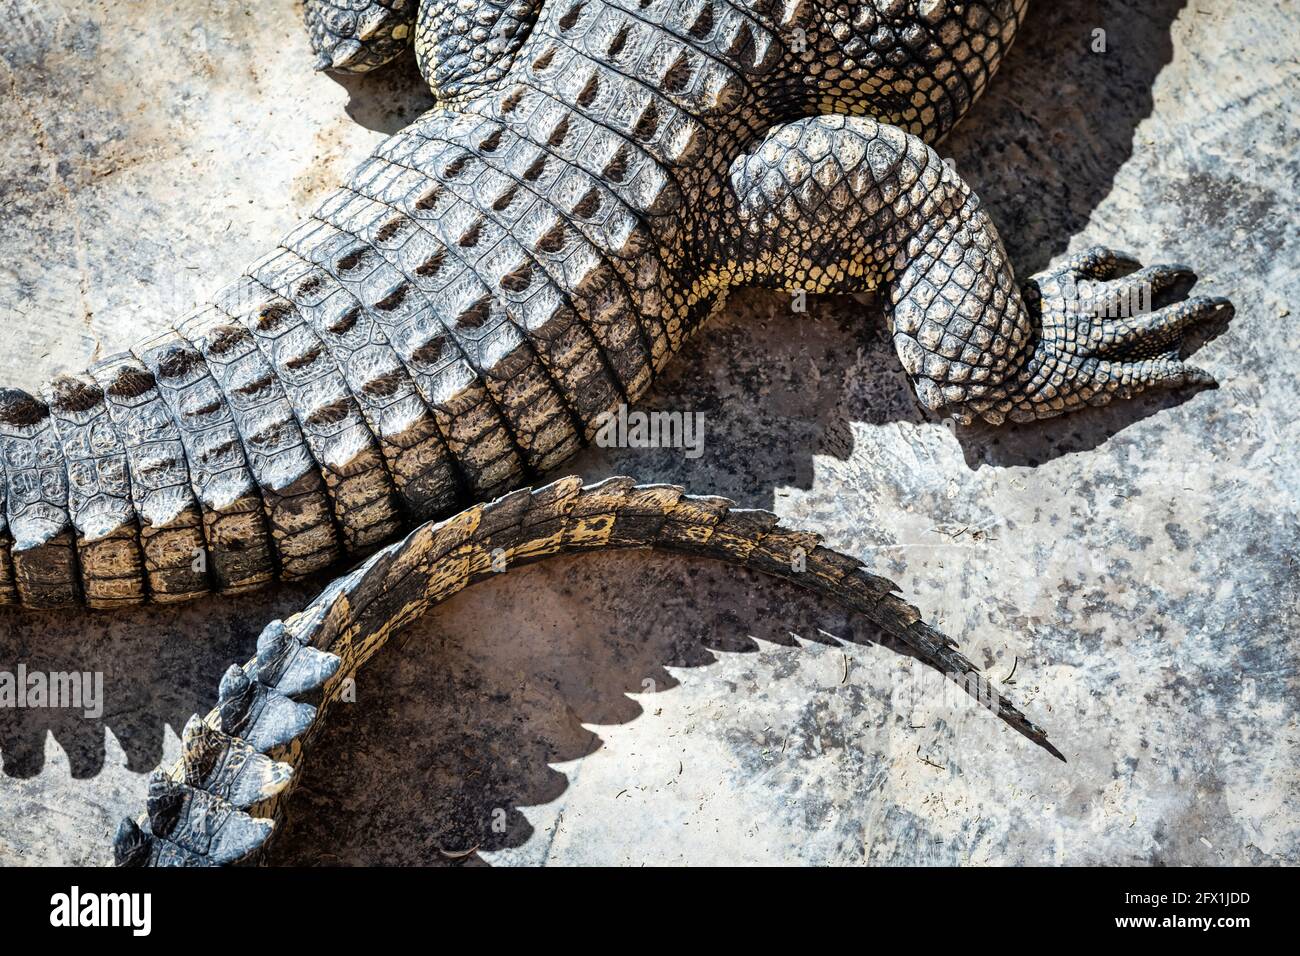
(357, 36)
(1102, 336)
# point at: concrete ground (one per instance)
(1135, 567)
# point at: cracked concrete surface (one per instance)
(1135, 567)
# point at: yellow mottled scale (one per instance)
(357, 614)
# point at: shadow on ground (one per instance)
(453, 734)
(148, 682)
(389, 99)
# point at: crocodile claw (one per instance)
(1107, 330)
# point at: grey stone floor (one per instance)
(1135, 566)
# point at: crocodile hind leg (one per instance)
(845, 204)
(357, 36)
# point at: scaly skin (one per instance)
(596, 177)
(355, 36)
(219, 803)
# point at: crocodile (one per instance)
(220, 802)
(462, 314)
(457, 318)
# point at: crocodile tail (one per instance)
(108, 500)
(459, 316)
(66, 502)
(164, 473)
(408, 348)
(262, 732)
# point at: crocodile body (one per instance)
(457, 318)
